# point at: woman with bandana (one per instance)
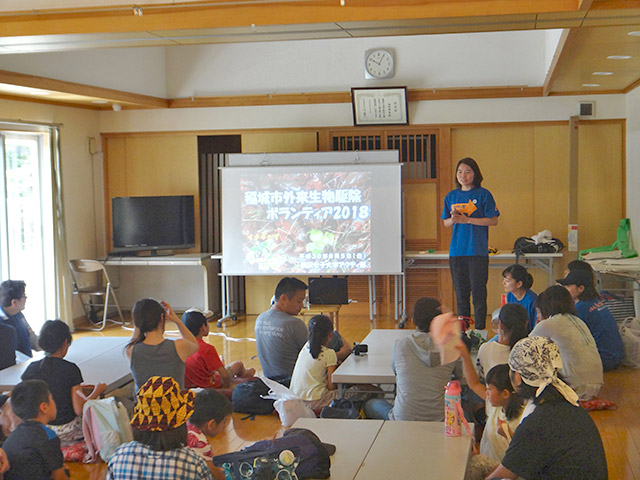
(558, 440)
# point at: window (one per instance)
(417, 150)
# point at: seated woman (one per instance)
(64, 380)
(592, 310)
(150, 353)
(581, 364)
(420, 377)
(558, 439)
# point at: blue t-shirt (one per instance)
(470, 240)
(528, 302)
(604, 330)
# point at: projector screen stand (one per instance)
(224, 320)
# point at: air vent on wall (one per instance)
(587, 109)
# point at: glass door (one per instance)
(26, 221)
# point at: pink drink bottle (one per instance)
(452, 409)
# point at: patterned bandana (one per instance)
(537, 360)
(161, 405)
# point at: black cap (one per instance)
(579, 278)
(194, 319)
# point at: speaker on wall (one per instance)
(587, 109)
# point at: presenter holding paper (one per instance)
(471, 210)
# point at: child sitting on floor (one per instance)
(311, 379)
(204, 368)
(63, 379)
(504, 409)
(211, 415)
(517, 282)
(33, 449)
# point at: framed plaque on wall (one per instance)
(379, 106)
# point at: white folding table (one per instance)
(100, 359)
(372, 367)
(440, 260)
(415, 451)
(352, 438)
(184, 280)
(372, 449)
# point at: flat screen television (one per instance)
(153, 223)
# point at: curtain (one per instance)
(62, 275)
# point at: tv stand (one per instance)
(142, 253)
(156, 253)
(183, 280)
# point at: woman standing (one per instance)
(471, 210)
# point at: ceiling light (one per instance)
(590, 84)
(99, 102)
(602, 73)
(635, 34)
(619, 57)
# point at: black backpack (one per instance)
(263, 460)
(524, 245)
(247, 398)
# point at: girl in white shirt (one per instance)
(311, 379)
(511, 328)
(504, 412)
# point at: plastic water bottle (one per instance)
(452, 409)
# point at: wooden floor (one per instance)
(620, 429)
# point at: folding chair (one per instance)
(83, 271)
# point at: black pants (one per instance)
(470, 275)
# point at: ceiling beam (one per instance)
(567, 34)
(238, 14)
(50, 84)
(413, 95)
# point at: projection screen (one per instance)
(311, 219)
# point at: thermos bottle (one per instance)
(452, 409)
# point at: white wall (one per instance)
(495, 58)
(77, 170)
(633, 163)
(137, 70)
(422, 61)
(552, 37)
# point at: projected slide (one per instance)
(306, 222)
(310, 218)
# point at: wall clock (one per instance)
(378, 63)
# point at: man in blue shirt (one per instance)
(12, 303)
